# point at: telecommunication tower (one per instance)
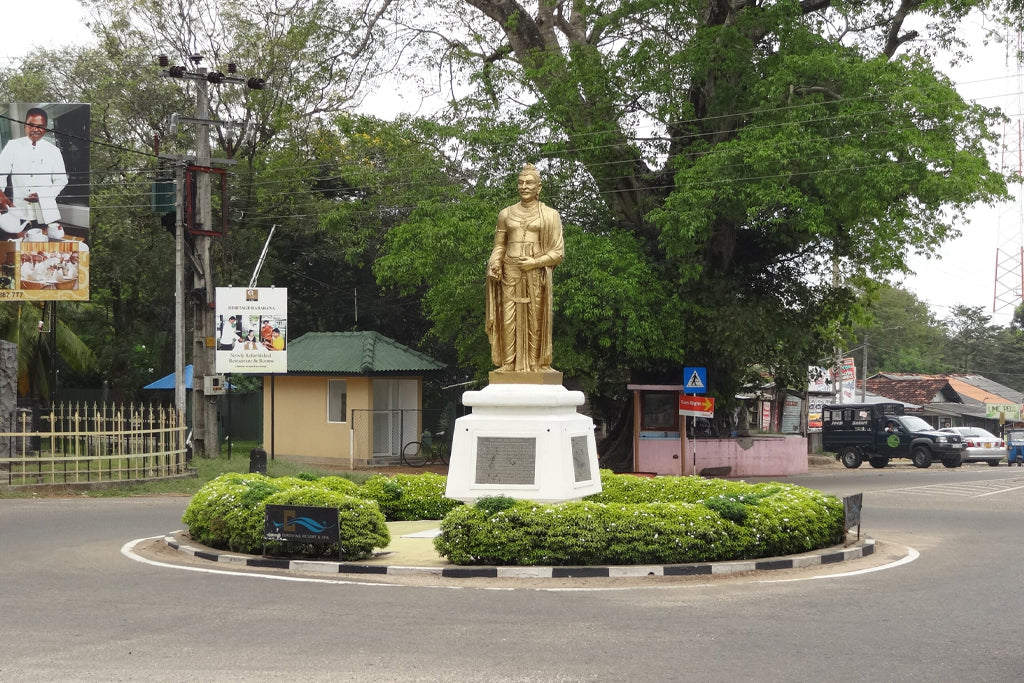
(1009, 273)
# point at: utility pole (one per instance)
(205, 440)
(197, 218)
(179, 289)
(864, 386)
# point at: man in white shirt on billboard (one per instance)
(37, 173)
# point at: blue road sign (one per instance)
(695, 380)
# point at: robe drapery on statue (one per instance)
(519, 306)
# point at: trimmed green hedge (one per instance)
(229, 512)
(636, 520)
(406, 497)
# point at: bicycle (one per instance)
(427, 450)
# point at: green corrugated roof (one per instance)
(355, 353)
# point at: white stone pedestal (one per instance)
(523, 441)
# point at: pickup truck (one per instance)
(877, 432)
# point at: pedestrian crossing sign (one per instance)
(695, 380)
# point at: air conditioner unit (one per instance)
(214, 385)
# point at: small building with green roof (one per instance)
(349, 399)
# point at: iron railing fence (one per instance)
(73, 443)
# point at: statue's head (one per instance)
(530, 170)
(529, 182)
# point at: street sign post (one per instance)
(695, 380)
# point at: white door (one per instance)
(396, 419)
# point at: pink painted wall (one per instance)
(757, 456)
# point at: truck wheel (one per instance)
(953, 461)
(851, 458)
(921, 457)
(878, 463)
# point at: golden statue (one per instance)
(527, 247)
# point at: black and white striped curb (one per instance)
(857, 550)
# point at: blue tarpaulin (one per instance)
(168, 381)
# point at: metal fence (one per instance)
(378, 436)
(72, 444)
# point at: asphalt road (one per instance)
(73, 607)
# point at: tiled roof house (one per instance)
(349, 398)
(946, 400)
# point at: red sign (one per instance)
(698, 406)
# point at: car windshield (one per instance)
(915, 424)
(979, 434)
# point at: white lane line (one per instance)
(128, 550)
(910, 557)
(992, 493)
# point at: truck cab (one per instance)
(878, 432)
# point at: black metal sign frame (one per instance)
(851, 512)
(300, 524)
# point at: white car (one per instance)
(980, 445)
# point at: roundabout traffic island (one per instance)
(681, 525)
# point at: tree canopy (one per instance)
(754, 165)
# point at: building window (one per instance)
(337, 395)
(659, 411)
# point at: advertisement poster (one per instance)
(849, 381)
(252, 330)
(44, 205)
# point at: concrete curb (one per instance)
(833, 555)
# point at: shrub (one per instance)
(636, 520)
(410, 496)
(361, 526)
(229, 512)
(340, 485)
(215, 509)
(582, 533)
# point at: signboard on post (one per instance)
(45, 162)
(252, 329)
(1002, 411)
(697, 406)
(695, 380)
(301, 523)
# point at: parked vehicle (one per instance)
(980, 445)
(877, 432)
(1015, 447)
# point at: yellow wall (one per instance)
(295, 418)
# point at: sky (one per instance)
(964, 270)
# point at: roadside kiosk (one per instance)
(658, 437)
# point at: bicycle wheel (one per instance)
(412, 454)
(441, 452)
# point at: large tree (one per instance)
(761, 160)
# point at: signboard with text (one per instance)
(1002, 411)
(697, 406)
(300, 523)
(252, 330)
